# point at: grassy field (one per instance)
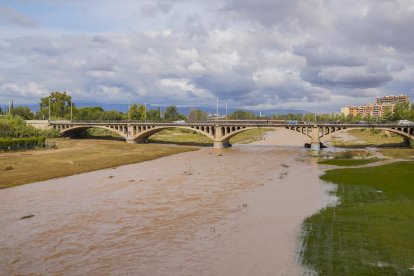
(348, 162)
(369, 138)
(398, 153)
(371, 229)
(181, 137)
(73, 156)
(250, 136)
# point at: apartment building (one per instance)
(392, 99)
(375, 110)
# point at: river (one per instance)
(235, 211)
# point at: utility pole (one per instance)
(226, 111)
(145, 114)
(217, 110)
(129, 108)
(49, 108)
(314, 110)
(71, 111)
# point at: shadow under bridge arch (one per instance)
(73, 130)
(141, 134)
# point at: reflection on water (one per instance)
(232, 212)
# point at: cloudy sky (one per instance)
(262, 54)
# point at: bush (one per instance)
(375, 131)
(15, 127)
(345, 155)
(22, 143)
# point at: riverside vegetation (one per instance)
(369, 230)
(16, 135)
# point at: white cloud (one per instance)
(256, 54)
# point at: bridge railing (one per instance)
(247, 123)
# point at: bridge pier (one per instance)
(221, 144)
(409, 142)
(315, 143)
(143, 140)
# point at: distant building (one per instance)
(375, 110)
(214, 116)
(392, 99)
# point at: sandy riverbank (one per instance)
(232, 212)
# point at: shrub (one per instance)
(21, 143)
(375, 131)
(15, 127)
(345, 155)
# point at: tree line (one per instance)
(62, 108)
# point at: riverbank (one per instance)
(235, 211)
(72, 156)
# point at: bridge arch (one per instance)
(307, 131)
(403, 132)
(64, 130)
(231, 131)
(141, 135)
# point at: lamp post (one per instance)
(217, 110)
(226, 111)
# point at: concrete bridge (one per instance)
(219, 132)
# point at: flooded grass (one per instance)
(370, 230)
(348, 162)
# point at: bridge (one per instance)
(219, 132)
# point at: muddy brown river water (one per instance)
(236, 211)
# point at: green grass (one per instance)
(250, 136)
(370, 138)
(347, 162)
(371, 229)
(189, 137)
(181, 137)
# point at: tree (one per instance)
(401, 111)
(96, 113)
(141, 112)
(60, 105)
(388, 115)
(412, 112)
(197, 115)
(171, 113)
(23, 112)
(153, 115)
(241, 115)
(134, 114)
